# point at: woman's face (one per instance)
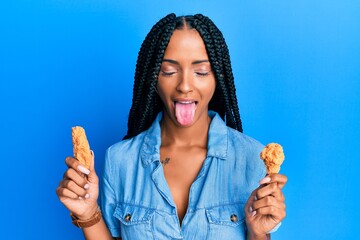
(186, 82)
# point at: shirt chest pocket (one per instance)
(135, 221)
(226, 221)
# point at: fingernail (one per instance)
(265, 180)
(253, 214)
(92, 153)
(83, 169)
(86, 186)
(255, 198)
(87, 196)
(250, 209)
(80, 198)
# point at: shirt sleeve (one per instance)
(108, 199)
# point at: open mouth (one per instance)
(185, 111)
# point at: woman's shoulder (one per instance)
(127, 144)
(240, 139)
(149, 136)
(247, 150)
(221, 131)
(123, 156)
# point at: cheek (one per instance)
(208, 89)
(166, 84)
(162, 90)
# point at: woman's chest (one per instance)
(215, 206)
(181, 167)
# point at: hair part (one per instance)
(146, 103)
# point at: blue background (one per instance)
(66, 63)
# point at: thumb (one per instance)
(92, 162)
(92, 177)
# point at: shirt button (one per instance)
(234, 218)
(127, 217)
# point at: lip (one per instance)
(185, 101)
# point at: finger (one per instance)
(77, 177)
(73, 187)
(75, 164)
(92, 162)
(267, 202)
(279, 178)
(265, 180)
(277, 214)
(64, 193)
(92, 177)
(77, 171)
(270, 189)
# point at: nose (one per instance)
(185, 83)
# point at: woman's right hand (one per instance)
(79, 189)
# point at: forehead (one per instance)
(186, 43)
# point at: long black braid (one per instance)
(146, 104)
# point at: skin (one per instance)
(73, 187)
(185, 75)
(265, 207)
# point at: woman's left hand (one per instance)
(265, 207)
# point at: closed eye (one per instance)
(202, 74)
(166, 74)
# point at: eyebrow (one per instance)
(177, 63)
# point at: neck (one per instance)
(194, 135)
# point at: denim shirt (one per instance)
(136, 200)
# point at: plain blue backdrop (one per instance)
(65, 63)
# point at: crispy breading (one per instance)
(81, 146)
(273, 156)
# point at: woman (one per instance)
(184, 170)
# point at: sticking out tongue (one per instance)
(185, 112)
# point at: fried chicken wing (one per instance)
(81, 146)
(273, 156)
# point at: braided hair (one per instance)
(146, 103)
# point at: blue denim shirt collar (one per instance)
(217, 141)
